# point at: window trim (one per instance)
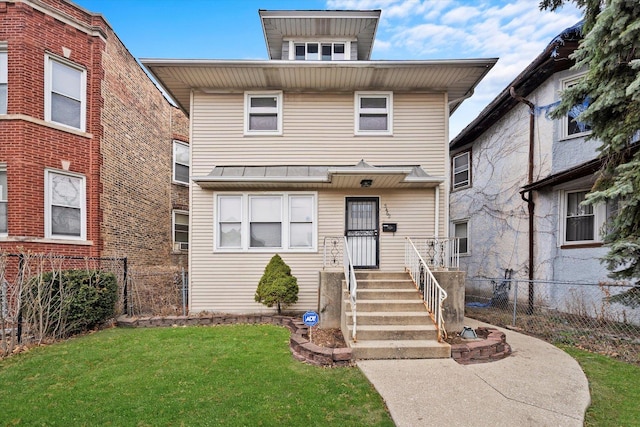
(566, 83)
(599, 218)
(357, 111)
(4, 74)
(453, 234)
(175, 161)
(48, 90)
(453, 170)
(320, 43)
(47, 206)
(245, 222)
(3, 168)
(247, 112)
(176, 247)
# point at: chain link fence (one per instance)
(157, 291)
(599, 317)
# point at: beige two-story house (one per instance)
(316, 142)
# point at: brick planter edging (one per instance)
(493, 346)
(301, 348)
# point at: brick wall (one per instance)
(125, 154)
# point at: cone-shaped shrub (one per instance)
(277, 286)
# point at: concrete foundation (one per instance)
(453, 284)
(330, 298)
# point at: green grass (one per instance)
(240, 375)
(614, 387)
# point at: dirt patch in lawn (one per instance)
(328, 337)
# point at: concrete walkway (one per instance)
(538, 385)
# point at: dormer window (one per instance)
(316, 51)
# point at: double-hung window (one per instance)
(180, 162)
(283, 221)
(65, 205)
(461, 170)
(571, 125)
(4, 80)
(263, 113)
(374, 113)
(461, 232)
(65, 93)
(582, 223)
(3, 202)
(180, 230)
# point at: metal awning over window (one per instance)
(361, 175)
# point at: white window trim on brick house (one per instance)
(359, 112)
(4, 78)
(240, 217)
(180, 245)
(3, 199)
(49, 91)
(81, 205)
(249, 111)
(176, 161)
(459, 170)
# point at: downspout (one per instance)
(437, 211)
(529, 197)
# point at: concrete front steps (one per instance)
(392, 321)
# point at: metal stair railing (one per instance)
(439, 252)
(352, 285)
(433, 294)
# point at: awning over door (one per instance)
(361, 175)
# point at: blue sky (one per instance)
(514, 31)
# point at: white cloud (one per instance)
(515, 31)
(460, 15)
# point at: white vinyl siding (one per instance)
(318, 129)
(65, 93)
(65, 205)
(216, 282)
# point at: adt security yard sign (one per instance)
(310, 318)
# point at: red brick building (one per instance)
(94, 161)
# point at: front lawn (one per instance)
(242, 375)
(614, 387)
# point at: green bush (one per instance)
(71, 301)
(277, 286)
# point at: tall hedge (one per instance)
(71, 301)
(277, 286)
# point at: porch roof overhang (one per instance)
(181, 77)
(317, 177)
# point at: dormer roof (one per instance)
(280, 25)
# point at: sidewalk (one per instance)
(538, 385)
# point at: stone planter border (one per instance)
(493, 346)
(301, 348)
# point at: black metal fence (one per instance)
(600, 317)
(145, 291)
